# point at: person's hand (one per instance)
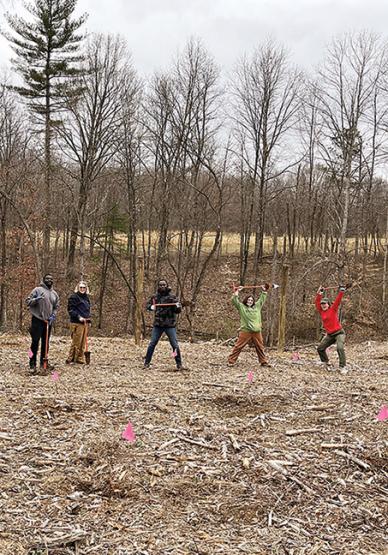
(320, 290)
(38, 297)
(51, 319)
(266, 286)
(153, 307)
(178, 305)
(81, 319)
(342, 288)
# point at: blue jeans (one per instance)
(157, 332)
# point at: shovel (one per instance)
(87, 352)
(45, 359)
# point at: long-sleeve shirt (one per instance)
(329, 317)
(250, 317)
(43, 308)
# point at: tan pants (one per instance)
(244, 337)
(78, 339)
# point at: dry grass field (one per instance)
(294, 463)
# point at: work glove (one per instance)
(342, 288)
(81, 319)
(178, 305)
(153, 307)
(267, 286)
(321, 291)
(51, 319)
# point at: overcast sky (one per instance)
(156, 30)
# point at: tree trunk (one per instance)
(139, 300)
(282, 309)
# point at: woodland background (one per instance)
(198, 176)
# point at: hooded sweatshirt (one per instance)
(330, 317)
(250, 317)
(78, 305)
(43, 308)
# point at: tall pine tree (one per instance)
(47, 53)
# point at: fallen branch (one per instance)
(276, 465)
(235, 444)
(60, 541)
(352, 458)
(215, 384)
(302, 431)
(199, 443)
(167, 443)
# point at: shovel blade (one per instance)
(87, 357)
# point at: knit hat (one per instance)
(325, 300)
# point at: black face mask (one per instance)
(48, 281)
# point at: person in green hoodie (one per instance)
(250, 325)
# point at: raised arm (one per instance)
(235, 300)
(338, 298)
(318, 298)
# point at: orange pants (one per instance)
(244, 337)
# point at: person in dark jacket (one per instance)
(164, 321)
(43, 303)
(78, 307)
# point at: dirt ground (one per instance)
(294, 463)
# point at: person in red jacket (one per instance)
(334, 331)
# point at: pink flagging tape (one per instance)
(128, 433)
(383, 413)
(174, 354)
(55, 376)
(30, 354)
(250, 377)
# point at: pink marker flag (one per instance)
(174, 354)
(55, 376)
(128, 433)
(295, 357)
(383, 413)
(250, 377)
(30, 354)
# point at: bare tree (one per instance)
(265, 93)
(348, 81)
(91, 124)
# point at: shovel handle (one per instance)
(46, 346)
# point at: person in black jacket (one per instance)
(78, 307)
(164, 321)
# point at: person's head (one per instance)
(325, 303)
(249, 301)
(162, 286)
(82, 287)
(48, 280)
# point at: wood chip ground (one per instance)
(294, 463)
